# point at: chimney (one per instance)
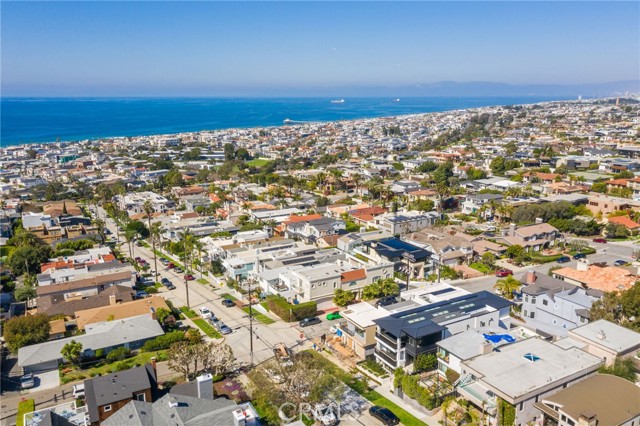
(485, 348)
(153, 365)
(583, 265)
(153, 313)
(112, 299)
(512, 229)
(205, 386)
(588, 418)
(239, 418)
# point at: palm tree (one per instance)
(357, 180)
(155, 231)
(22, 237)
(130, 235)
(506, 286)
(100, 225)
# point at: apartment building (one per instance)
(405, 222)
(133, 202)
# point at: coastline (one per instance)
(269, 113)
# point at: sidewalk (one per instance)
(383, 390)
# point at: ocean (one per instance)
(27, 120)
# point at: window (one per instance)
(531, 357)
(545, 302)
(521, 406)
(555, 322)
(533, 314)
(106, 408)
(533, 300)
(526, 314)
(140, 397)
(482, 323)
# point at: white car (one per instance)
(78, 391)
(204, 312)
(333, 329)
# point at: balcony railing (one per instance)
(387, 357)
(391, 341)
(345, 328)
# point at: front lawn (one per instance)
(203, 281)
(207, 328)
(405, 417)
(481, 267)
(258, 162)
(104, 367)
(259, 316)
(228, 296)
(188, 312)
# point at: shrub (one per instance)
(425, 362)
(164, 341)
(289, 312)
(26, 330)
(118, 354)
(452, 375)
(24, 407)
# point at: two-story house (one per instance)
(402, 336)
(472, 204)
(521, 374)
(404, 222)
(535, 237)
(555, 306)
(104, 395)
(400, 253)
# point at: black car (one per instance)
(385, 301)
(385, 415)
(309, 321)
(579, 256)
(563, 259)
(228, 303)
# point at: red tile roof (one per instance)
(358, 274)
(302, 218)
(624, 220)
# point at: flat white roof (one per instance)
(609, 335)
(363, 314)
(526, 366)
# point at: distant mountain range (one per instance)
(485, 88)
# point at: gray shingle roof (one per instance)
(99, 336)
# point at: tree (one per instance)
(162, 314)
(425, 362)
(129, 236)
(489, 259)
(26, 330)
(443, 173)
(148, 209)
(342, 297)
(506, 286)
(189, 359)
(381, 288)
(173, 178)
(72, 352)
(229, 151)
(514, 251)
(28, 258)
(22, 237)
(118, 354)
(622, 308)
(624, 368)
(25, 292)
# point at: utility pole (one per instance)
(250, 322)
(186, 282)
(410, 258)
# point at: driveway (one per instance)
(44, 381)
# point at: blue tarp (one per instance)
(496, 338)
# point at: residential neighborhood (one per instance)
(477, 266)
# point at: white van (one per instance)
(78, 391)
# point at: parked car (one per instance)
(189, 277)
(385, 301)
(170, 286)
(164, 261)
(620, 262)
(27, 381)
(333, 316)
(142, 295)
(600, 240)
(224, 328)
(204, 312)
(563, 259)
(309, 321)
(165, 281)
(504, 272)
(170, 265)
(228, 303)
(214, 321)
(178, 270)
(385, 415)
(579, 256)
(78, 391)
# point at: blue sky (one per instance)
(210, 48)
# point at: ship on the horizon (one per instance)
(287, 121)
(337, 101)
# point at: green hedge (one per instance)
(24, 407)
(288, 312)
(411, 387)
(164, 341)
